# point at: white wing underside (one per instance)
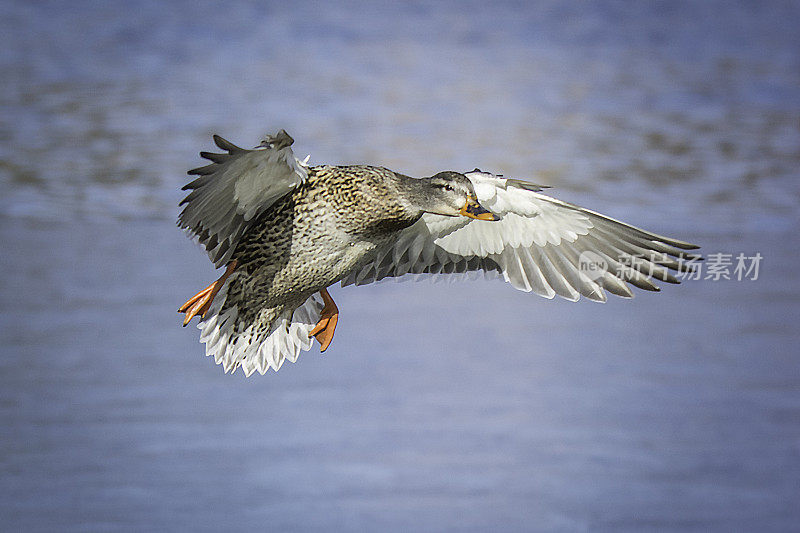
(536, 246)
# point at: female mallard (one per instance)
(286, 231)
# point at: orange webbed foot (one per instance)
(326, 326)
(201, 302)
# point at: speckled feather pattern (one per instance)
(324, 230)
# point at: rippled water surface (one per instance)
(467, 406)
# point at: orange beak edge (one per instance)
(473, 209)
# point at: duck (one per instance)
(285, 231)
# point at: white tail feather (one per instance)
(257, 351)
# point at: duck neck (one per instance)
(412, 194)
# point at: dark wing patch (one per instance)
(229, 193)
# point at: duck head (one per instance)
(452, 194)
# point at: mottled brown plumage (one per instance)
(286, 232)
(315, 236)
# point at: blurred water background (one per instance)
(438, 407)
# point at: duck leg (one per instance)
(200, 302)
(324, 329)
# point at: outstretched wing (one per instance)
(235, 188)
(540, 244)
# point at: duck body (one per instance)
(312, 238)
(285, 232)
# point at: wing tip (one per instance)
(278, 141)
(215, 157)
(226, 145)
(683, 245)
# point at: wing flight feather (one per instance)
(538, 245)
(235, 188)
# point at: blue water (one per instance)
(438, 407)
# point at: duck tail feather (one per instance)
(275, 336)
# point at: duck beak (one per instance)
(473, 209)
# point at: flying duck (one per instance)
(285, 231)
